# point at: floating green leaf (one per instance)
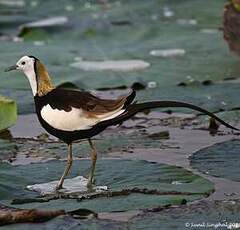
(8, 113)
(68, 223)
(145, 181)
(218, 214)
(220, 160)
(7, 150)
(215, 215)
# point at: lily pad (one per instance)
(68, 223)
(215, 214)
(210, 215)
(150, 184)
(8, 113)
(7, 150)
(220, 160)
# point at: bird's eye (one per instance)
(23, 63)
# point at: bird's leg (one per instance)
(68, 166)
(94, 160)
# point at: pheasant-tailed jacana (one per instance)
(72, 115)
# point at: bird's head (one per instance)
(36, 73)
(25, 64)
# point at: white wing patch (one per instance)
(75, 119)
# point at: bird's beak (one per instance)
(10, 68)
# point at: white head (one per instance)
(26, 64)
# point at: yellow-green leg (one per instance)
(67, 169)
(94, 160)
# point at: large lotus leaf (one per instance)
(220, 160)
(7, 149)
(8, 113)
(68, 223)
(219, 214)
(211, 215)
(117, 175)
(229, 116)
(97, 32)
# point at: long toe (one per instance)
(89, 185)
(58, 187)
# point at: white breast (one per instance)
(75, 119)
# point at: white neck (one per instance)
(30, 73)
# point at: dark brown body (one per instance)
(54, 100)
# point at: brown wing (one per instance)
(64, 99)
(100, 106)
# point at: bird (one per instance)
(72, 115)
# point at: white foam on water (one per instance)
(167, 52)
(209, 31)
(117, 65)
(74, 185)
(47, 22)
(185, 22)
(167, 12)
(177, 182)
(11, 3)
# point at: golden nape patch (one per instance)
(43, 79)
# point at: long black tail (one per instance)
(135, 108)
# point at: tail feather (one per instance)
(132, 109)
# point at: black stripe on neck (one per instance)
(33, 57)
